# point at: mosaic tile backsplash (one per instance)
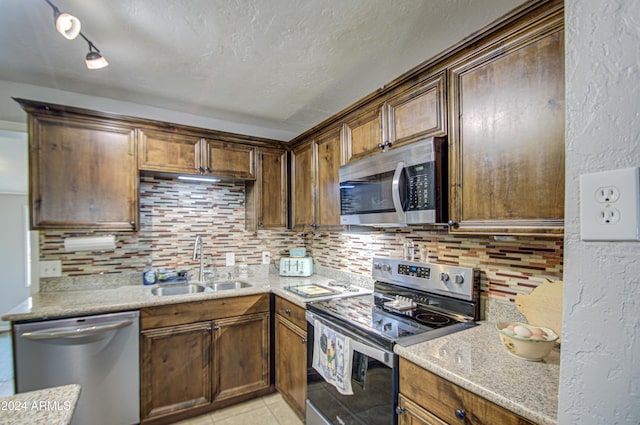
(173, 212)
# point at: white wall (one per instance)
(13, 278)
(600, 364)
(10, 111)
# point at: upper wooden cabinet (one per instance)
(364, 134)
(267, 197)
(507, 109)
(409, 115)
(175, 152)
(83, 173)
(418, 112)
(315, 181)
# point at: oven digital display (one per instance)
(416, 271)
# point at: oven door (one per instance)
(374, 382)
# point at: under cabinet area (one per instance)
(82, 172)
(203, 355)
(426, 398)
(291, 354)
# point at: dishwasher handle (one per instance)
(76, 331)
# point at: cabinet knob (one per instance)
(460, 414)
(216, 328)
(288, 311)
(303, 340)
(452, 224)
(400, 410)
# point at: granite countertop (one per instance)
(476, 360)
(50, 406)
(47, 305)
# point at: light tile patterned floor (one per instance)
(268, 410)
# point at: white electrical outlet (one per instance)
(51, 268)
(610, 205)
(231, 259)
(266, 257)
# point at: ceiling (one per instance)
(279, 64)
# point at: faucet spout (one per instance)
(199, 243)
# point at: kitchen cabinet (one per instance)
(168, 151)
(408, 115)
(199, 356)
(315, 181)
(291, 354)
(507, 132)
(267, 197)
(82, 173)
(418, 112)
(425, 398)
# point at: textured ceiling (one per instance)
(279, 64)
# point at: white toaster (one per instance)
(296, 266)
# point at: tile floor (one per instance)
(268, 410)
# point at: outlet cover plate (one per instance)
(51, 268)
(230, 259)
(604, 217)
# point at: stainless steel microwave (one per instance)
(406, 185)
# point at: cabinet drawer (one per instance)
(291, 312)
(197, 311)
(443, 398)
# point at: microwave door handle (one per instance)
(395, 189)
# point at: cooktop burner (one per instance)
(433, 319)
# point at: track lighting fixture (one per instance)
(69, 26)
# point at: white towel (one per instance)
(332, 357)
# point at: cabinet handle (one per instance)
(452, 224)
(460, 414)
(133, 223)
(303, 340)
(216, 328)
(287, 311)
(400, 410)
(209, 329)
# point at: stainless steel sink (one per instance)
(234, 284)
(195, 288)
(177, 289)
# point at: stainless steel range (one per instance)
(412, 302)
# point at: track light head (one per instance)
(95, 60)
(67, 25)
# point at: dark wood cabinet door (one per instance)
(412, 414)
(418, 112)
(273, 197)
(508, 134)
(225, 159)
(291, 364)
(327, 193)
(170, 152)
(83, 174)
(175, 371)
(302, 206)
(363, 133)
(241, 355)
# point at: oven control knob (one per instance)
(444, 277)
(459, 279)
(386, 267)
(377, 266)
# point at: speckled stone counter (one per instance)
(46, 305)
(51, 406)
(476, 360)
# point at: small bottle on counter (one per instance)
(149, 276)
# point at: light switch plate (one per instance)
(610, 205)
(266, 257)
(231, 259)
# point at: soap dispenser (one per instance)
(243, 269)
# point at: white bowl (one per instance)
(526, 348)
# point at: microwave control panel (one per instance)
(421, 186)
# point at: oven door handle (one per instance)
(383, 356)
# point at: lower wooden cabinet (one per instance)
(426, 398)
(291, 355)
(198, 356)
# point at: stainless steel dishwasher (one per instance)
(101, 353)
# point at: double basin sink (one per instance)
(195, 288)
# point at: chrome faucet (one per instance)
(195, 255)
